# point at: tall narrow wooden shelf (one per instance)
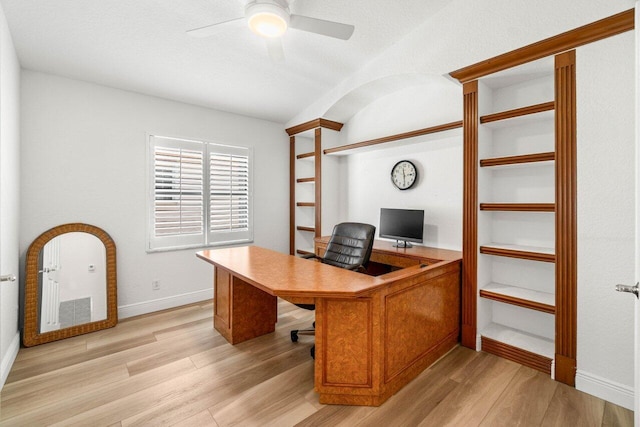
(518, 112)
(518, 207)
(305, 155)
(527, 298)
(303, 228)
(396, 137)
(517, 251)
(302, 180)
(310, 156)
(521, 159)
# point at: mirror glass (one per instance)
(70, 286)
(72, 281)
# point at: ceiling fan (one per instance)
(270, 19)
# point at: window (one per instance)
(200, 194)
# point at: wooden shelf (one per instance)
(306, 204)
(303, 180)
(518, 207)
(397, 137)
(304, 251)
(518, 112)
(305, 155)
(517, 251)
(302, 228)
(527, 298)
(527, 349)
(513, 160)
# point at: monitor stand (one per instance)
(402, 244)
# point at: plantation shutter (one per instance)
(230, 215)
(178, 193)
(200, 194)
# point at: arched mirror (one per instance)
(70, 286)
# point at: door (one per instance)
(9, 201)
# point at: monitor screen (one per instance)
(402, 224)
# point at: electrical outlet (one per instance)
(155, 285)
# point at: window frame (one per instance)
(206, 238)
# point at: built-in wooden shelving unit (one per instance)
(520, 159)
(518, 207)
(305, 155)
(397, 137)
(527, 298)
(517, 251)
(517, 112)
(302, 180)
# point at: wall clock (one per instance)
(404, 174)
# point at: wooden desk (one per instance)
(373, 334)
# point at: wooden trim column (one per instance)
(292, 195)
(566, 229)
(470, 214)
(318, 181)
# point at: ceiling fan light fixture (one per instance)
(267, 19)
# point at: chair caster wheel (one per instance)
(294, 336)
(313, 352)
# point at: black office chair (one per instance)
(349, 247)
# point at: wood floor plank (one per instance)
(270, 402)
(573, 408)
(616, 416)
(516, 407)
(470, 402)
(173, 368)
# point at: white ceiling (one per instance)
(141, 46)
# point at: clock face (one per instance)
(404, 174)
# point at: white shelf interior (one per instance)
(529, 342)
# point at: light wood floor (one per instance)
(172, 368)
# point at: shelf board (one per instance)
(303, 228)
(305, 155)
(527, 349)
(411, 134)
(512, 160)
(533, 253)
(302, 180)
(306, 204)
(527, 298)
(518, 112)
(518, 207)
(304, 251)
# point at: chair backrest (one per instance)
(350, 244)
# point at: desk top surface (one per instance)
(416, 251)
(286, 275)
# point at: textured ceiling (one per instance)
(141, 46)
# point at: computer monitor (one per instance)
(403, 225)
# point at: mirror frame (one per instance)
(31, 334)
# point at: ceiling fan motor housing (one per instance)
(268, 18)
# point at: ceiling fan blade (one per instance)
(210, 30)
(275, 48)
(320, 26)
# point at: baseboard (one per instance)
(620, 394)
(9, 358)
(139, 308)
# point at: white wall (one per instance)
(606, 216)
(438, 158)
(9, 197)
(84, 160)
